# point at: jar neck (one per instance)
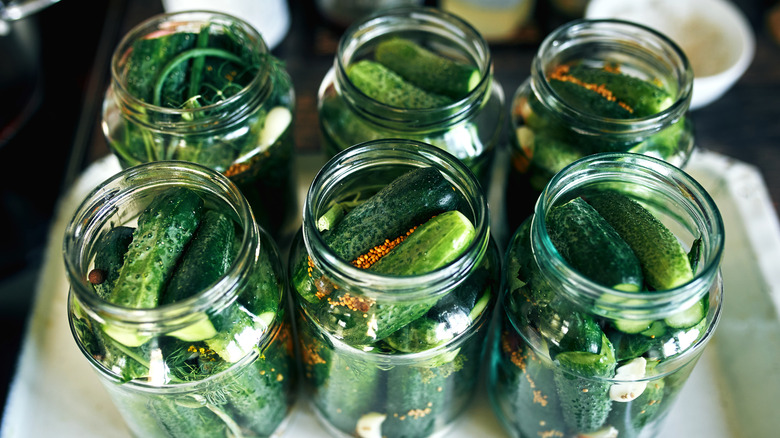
(111, 204)
(637, 50)
(379, 162)
(673, 196)
(417, 23)
(202, 118)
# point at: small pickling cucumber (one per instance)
(109, 257)
(643, 97)
(408, 201)
(689, 317)
(416, 397)
(205, 259)
(664, 261)
(434, 244)
(428, 70)
(582, 390)
(608, 93)
(384, 85)
(592, 246)
(164, 229)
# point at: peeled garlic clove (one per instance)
(370, 425)
(629, 390)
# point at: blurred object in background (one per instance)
(18, 9)
(342, 13)
(569, 8)
(714, 34)
(496, 20)
(773, 22)
(269, 17)
(19, 72)
(20, 78)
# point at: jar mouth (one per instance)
(598, 40)
(231, 108)
(651, 181)
(399, 154)
(102, 207)
(416, 22)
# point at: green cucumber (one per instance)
(664, 261)
(164, 229)
(382, 84)
(689, 317)
(525, 384)
(349, 390)
(427, 70)
(583, 390)
(416, 396)
(609, 93)
(433, 245)
(592, 246)
(644, 97)
(408, 201)
(109, 257)
(205, 260)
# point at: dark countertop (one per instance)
(63, 130)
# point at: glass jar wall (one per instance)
(592, 343)
(394, 348)
(414, 73)
(179, 303)
(596, 86)
(203, 87)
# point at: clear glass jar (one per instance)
(365, 372)
(551, 127)
(220, 362)
(635, 350)
(239, 121)
(467, 127)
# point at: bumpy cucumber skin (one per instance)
(433, 245)
(205, 259)
(415, 396)
(408, 201)
(164, 229)
(664, 261)
(640, 98)
(384, 85)
(522, 382)
(427, 70)
(110, 255)
(585, 399)
(592, 246)
(644, 98)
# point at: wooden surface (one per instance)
(743, 124)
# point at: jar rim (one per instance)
(427, 19)
(677, 186)
(407, 153)
(100, 206)
(182, 19)
(636, 38)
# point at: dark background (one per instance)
(54, 68)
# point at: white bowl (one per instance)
(714, 34)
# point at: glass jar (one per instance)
(219, 362)
(235, 115)
(637, 101)
(467, 126)
(384, 353)
(635, 349)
